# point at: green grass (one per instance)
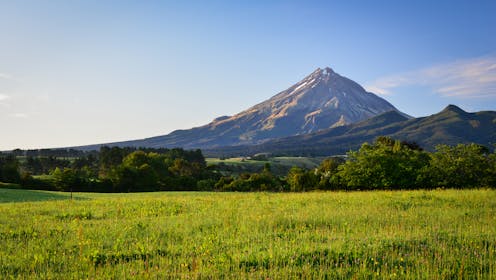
(279, 165)
(443, 234)
(9, 186)
(17, 195)
(237, 160)
(306, 162)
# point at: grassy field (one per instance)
(445, 234)
(306, 162)
(279, 165)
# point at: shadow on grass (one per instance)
(18, 195)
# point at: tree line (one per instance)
(384, 164)
(112, 169)
(391, 164)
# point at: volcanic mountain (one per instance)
(322, 100)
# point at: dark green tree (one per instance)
(300, 180)
(33, 165)
(65, 179)
(461, 166)
(9, 169)
(327, 173)
(386, 164)
(136, 173)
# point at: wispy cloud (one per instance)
(4, 101)
(3, 97)
(6, 76)
(464, 78)
(19, 116)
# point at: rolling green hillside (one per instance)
(279, 166)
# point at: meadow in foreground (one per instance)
(442, 234)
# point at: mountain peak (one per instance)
(326, 71)
(454, 109)
(322, 100)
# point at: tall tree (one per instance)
(461, 166)
(9, 169)
(385, 164)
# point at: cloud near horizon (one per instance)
(3, 97)
(19, 116)
(6, 76)
(469, 78)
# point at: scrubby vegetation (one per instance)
(440, 234)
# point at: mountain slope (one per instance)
(451, 126)
(322, 100)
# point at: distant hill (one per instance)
(322, 100)
(451, 126)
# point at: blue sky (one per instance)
(84, 72)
